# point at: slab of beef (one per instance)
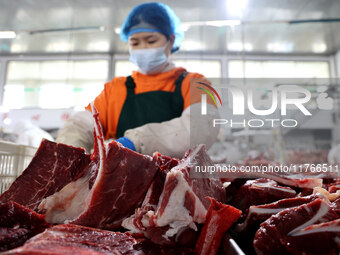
(73, 239)
(111, 190)
(181, 203)
(18, 224)
(120, 187)
(275, 234)
(260, 191)
(52, 167)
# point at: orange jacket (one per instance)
(110, 101)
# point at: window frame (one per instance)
(6, 60)
(112, 58)
(328, 59)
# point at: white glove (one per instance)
(174, 137)
(78, 131)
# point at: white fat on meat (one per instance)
(175, 214)
(324, 193)
(128, 223)
(256, 210)
(323, 210)
(297, 181)
(66, 204)
(270, 184)
(332, 226)
(226, 184)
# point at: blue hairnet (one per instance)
(153, 17)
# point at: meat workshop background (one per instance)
(62, 198)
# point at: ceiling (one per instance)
(262, 31)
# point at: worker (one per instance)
(149, 110)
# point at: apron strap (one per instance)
(130, 85)
(178, 83)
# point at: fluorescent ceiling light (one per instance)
(236, 7)
(223, 23)
(117, 30)
(319, 47)
(7, 34)
(213, 23)
(280, 47)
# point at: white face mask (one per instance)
(150, 61)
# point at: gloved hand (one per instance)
(127, 143)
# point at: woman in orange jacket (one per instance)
(149, 110)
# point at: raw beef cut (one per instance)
(182, 202)
(255, 215)
(219, 219)
(276, 233)
(121, 185)
(293, 180)
(334, 185)
(260, 191)
(52, 167)
(18, 224)
(72, 239)
(297, 181)
(316, 239)
(156, 188)
(111, 190)
(336, 206)
(261, 167)
(153, 194)
(244, 231)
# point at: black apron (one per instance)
(149, 107)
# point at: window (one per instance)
(209, 68)
(53, 84)
(278, 69)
